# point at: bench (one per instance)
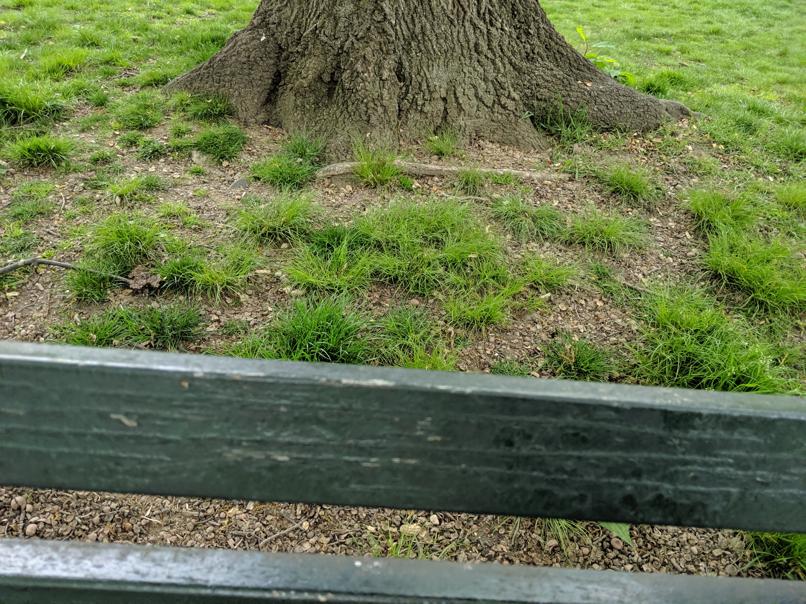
(171, 424)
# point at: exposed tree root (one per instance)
(43, 261)
(418, 169)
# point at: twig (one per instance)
(37, 261)
(635, 288)
(290, 529)
(418, 169)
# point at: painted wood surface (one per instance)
(145, 422)
(37, 572)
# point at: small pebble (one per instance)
(30, 530)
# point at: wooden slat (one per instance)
(75, 573)
(197, 425)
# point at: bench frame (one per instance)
(171, 424)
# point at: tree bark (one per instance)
(399, 69)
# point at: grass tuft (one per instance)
(769, 272)
(689, 342)
(222, 143)
(471, 182)
(294, 166)
(604, 232)
(527, 222)
(572, 359)
(444, 144)
(283, 218)
(164, 328)
(376, 167)
(715, 211)
(546, 275)
(39, 151)
(30, 201)
(629, 183)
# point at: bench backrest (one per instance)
(170, 424)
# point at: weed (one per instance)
(128, 140)
(103, 157)
(604, 232)
(152, 149)
(38, 151)
(165, 328)
(572, 359)
(222, 143)
(409, 339)
(179, 211)
(15, 240)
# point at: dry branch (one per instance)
(43, 261)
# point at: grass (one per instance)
(510, 367)
(115, 246)
(40, 151)
(690, 342)
(471, 182)
(716, 211)
(792, 196)
(205, 108)
(163, 328)
(221, 143)
(546, 275)
(141, 111)
(324, 331)
(286, 217)
(769, 272)
(408, 338)
(784, 554)
(376, 167)
(16, 240)
(605, 232)
(570, 127)
(527, 222)
(444, 144)
(219, 274)
(30, 201)
(139, 189)
(629, 183)
(294, 166)
(574, 359)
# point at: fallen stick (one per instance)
(37, 261)
(418, 169)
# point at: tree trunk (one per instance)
(402, 69)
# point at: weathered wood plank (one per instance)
(76, 573)
(204, 426)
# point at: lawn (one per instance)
(674, 258)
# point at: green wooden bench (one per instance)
(141, 422)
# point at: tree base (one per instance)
(350, 69)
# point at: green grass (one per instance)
(783, 554)
(116, 246)
(690, 342)
(285, 217)
(204, 108)
(15, 240)
(771, 273)
(324, 331)
(471, 182)
(408, 338)
(294, 166)
(510, 367)
(40, 151)
(527, 222)
(444, 144)
(219, 274)
(139, 189)
(221, 143)
(25, 102)
(574, 359)
(570, 127)
(29, 201)
(792, 196)
(376, 167)
(141, 111)
(546, 275)
(716, 211)
(605, 232)
(151, 149)
(163, 328)
(634, 185)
